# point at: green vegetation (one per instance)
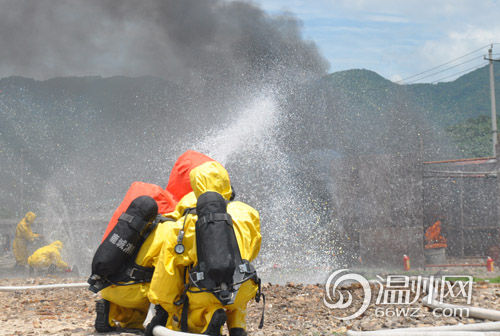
(476, 279)
(473, 136)
(452, 117)
(493, 280)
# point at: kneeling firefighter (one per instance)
(203, 277)
(124, 262)
(48, 256)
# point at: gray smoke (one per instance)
(74, 145)
(213, 56)
(194, 41)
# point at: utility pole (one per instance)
(493, 101)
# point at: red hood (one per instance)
(179, 184)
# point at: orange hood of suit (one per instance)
(178, 186)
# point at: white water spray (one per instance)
(294, 238)
(250, 130)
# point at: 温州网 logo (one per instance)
(395, 294)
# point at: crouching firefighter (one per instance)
(203, 277)
(122, 266)
(124, 263)
(49, 258)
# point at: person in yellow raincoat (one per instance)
(24, 235)
(48, 256)
(206, 314)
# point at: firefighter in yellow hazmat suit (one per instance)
(24, 235)
(48, 256)
(205, 314)
(129, 304)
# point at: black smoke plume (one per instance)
(194, 41)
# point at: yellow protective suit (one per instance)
(129, 304)
(24, 235)
(168, 280)
(47, 256)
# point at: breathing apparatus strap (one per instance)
(179, 248)
(188, 211)
(184, 301)
(257, 299)
(138, 273)
(133, 273)
(216, 217)
(159, 219)
(184, 314)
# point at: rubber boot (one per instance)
(237, 332)
(218, 319)
(159, 319)
(102, 317)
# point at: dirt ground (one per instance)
(291, 309)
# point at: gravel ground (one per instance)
(291, 309)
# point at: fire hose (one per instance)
(157, 331)
(162, 331)
(480, 313)
(477, 329)
(53, 286)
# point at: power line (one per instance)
(460, 72)
(446, 63)
(444, 70)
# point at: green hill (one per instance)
(360, 112)
(108, 131)
(453, 102)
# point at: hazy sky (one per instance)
(397, 38)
